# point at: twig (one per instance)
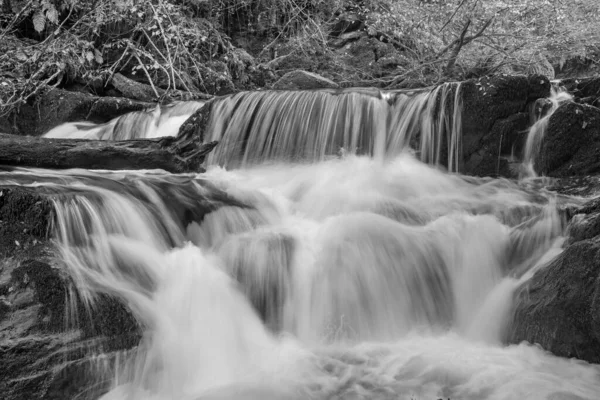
(458, 47)
(453, 14)
(146, 71)
(466, 40)
(15, 19)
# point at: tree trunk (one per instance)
(182, 154)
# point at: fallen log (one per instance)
(181, 154)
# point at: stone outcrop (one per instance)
(495, 121)
(559, 308)
(572, 142)
(42, 358)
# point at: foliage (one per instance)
(223, 45)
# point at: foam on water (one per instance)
(349, 278)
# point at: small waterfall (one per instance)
(537, 131)
(299, 126)
(163, 120)
(305, 126)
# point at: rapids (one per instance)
(347, 278)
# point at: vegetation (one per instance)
(217, 46)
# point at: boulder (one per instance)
(559, 307)
(41, 357)
(584, 90)
(495, 120)
(499, 147)
(572, 142)
(303, 80)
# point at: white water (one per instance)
(254, 127)
(162, 120)
(537, 131)
(357, 280)
(347, 278)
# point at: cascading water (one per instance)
(254, 127)
(162, 120)
(537, 131)
(346, 278)
(369, 275)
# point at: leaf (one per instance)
(89, 56)
(52, 14)
(39, 21)
(98, 57)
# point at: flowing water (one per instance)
(252, 127)
(347, 278)
(537, 131)
(314, 273)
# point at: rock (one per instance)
(584, 90)
(346, 23)
(51, 346)
(59, 106)
(559, 308)
(541, 107)
(489, 99)
(41, 357)
(195, 125)
(303, 80)
(494, 119)
(494, 155)
(585, 223)
(572, 142)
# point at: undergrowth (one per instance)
(219, 46)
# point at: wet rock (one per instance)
(559, 308)
(494, 120)
(58, 106)
(300, 79)
(582, 87)
(585, 223)
(572, 142)
(499, 147)
(541, 107)
(42, 357)
(196, 124)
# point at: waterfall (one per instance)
(537, 131)
(300, 126)
(304, 126)
(348, 277)
(162, 120)
(324, 254)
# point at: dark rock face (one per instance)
(42, 357)
(495, 120)
(559, 308)
(584, 90)
(60, 106)
(195, 125)
(300, 79)
(572, 142)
